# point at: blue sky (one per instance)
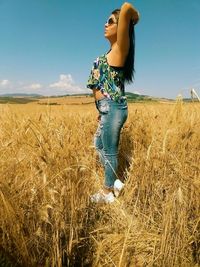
(48, 46)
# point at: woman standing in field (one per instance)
(108, 76)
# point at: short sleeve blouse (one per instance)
(108, 79)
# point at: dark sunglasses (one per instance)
(111, 21)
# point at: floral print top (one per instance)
(108, 79)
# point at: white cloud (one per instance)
(5, 86)
(66, 84)
(4, 83)
(33, 86)
(137, 92)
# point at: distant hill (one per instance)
(132, 97)
(21, 95)
(136, 97)
(22, 98)
(191, 100)
(16, 100)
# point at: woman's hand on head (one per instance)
(135, 15)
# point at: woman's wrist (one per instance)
(136, 17)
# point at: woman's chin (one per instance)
(105, 35)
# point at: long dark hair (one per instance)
(129, 69)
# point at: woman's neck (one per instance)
(112, 45)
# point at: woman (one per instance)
(109, 73)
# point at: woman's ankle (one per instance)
(107, 190)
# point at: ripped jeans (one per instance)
(106, 140)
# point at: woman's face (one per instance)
(110, 31)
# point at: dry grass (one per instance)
(70, 100)
(48, 169)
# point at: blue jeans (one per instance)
(106, 140)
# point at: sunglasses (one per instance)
(111, 21)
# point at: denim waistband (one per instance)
(99, 100)
(121, 100)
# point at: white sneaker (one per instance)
(102, 197)
(118, 185)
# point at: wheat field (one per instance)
(49, 168)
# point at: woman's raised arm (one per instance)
(127, 14)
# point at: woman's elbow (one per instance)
(126, 5)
